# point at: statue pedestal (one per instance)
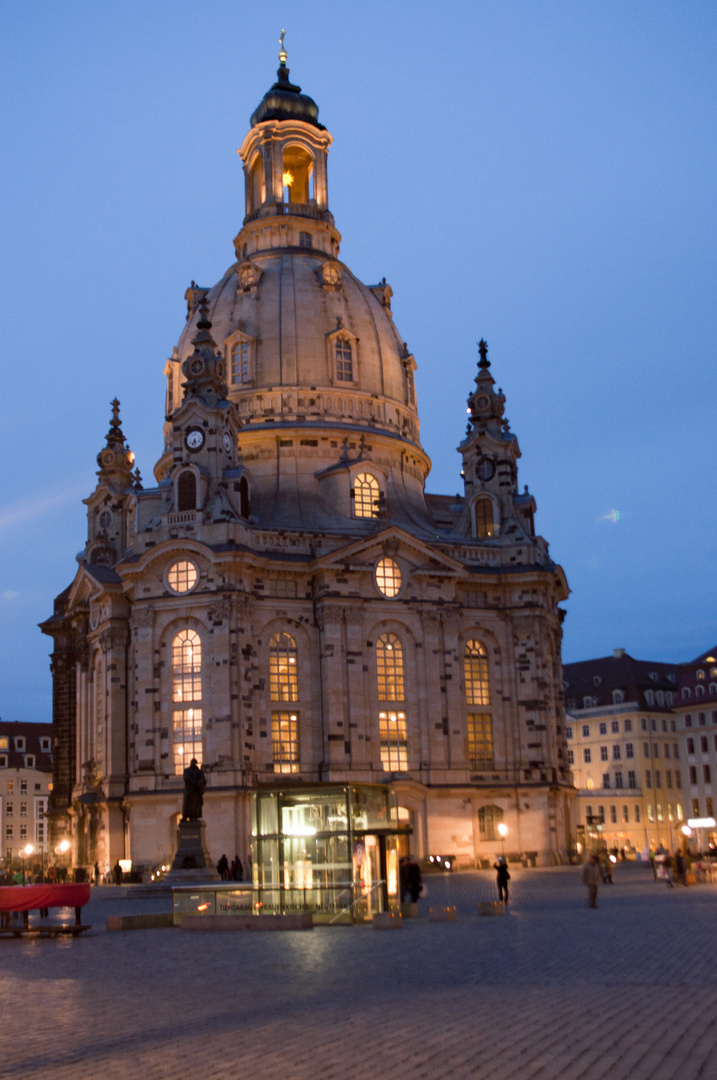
(192, 861)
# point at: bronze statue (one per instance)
(194, 786)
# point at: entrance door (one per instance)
(367, 876)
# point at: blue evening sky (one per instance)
(537, 172)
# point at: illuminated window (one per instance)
(187, 690)
(394, 740)
(297, 175)
(182, 576)
(475, 674)
(4, 744)
(285, 742)
(480, 740)
(240, 363)
(485, 525)
(389, 668)
(489, 817)
(283, 668)
(388, 577)
(365, 496)
(187, 729)
(343, 357)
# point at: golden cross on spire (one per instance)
(282, 50)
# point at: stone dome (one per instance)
(290, 308)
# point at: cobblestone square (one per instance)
(554, 991)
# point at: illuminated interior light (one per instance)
(288, 179)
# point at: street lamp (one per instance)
(26, 852)
(503, 830)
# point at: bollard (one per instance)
(492, 908)
(442, 914)
(409, 911)
(387, 920)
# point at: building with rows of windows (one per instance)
(287, 604)
(642, 745)
(25, 786)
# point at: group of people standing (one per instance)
(233, 871)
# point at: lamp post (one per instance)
(63, 847)
(503, 830)
(26, 852)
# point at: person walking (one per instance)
(502, 877)
(591, 879)
(414, 880)
(238, 869)
(223, 868)
(680, 868)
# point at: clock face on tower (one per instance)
(194, 438)
(227, 441)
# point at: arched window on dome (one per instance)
(186, 491)
(186, 699)
(485, 523)
(479, 717)
(365, 494)
(297, 175)
(390, 690)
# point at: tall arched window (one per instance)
(485, 525)
(186, 698)
(284, 686)
(477, 691)
(187, 491)
(390, 687)
(365, 495)
(298, 175)
(283, 673)
(94, 750)
(489, 817)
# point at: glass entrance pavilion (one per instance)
(332, 850)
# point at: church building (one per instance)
(286, 603)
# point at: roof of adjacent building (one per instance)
(600, 677)
(32, 734)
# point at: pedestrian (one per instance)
(403, 877)
(238, 869)
(591, 879)
(413, 879)
(223, 868)
(502, 877)
(96, 873)
(667, 864)
(680, 868)
(117, 873)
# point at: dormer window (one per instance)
(654, 676)
(618, 696)
(649, 697)
(344, 363)
(240, 363)
(700, 674)
(20, 743)
(45, 744)
(597, 681)
(686, 692)
(29, 761)
(365, 496)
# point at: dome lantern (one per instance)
(284, 155)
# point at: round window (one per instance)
(182, 576)
(388, 577)
(485, 468)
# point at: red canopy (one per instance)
(30, 897)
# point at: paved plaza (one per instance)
(554, 991)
